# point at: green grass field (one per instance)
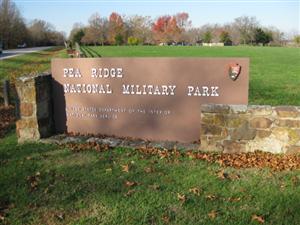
(47, 184)
(274, 71)
(29, 63)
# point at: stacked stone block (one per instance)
(36, 116)
(241, 128)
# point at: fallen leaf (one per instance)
(46, 190)
(212, 214)
(211, 197)
(129, 193)
(190, 155)
(125, 168)
(195, 191)
(234, 176)
(222, 175)
(166, 218)
(181, 197)
(130, 183)
(34, 180)
(232, 199)
(163, 154)
(148, 170)
(295, 180)
(60, 216)
(257, 218)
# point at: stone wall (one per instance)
(241, 128)
(226, 128)
(35, 119)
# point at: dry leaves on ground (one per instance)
(257, 218)
(77, 147)
(212, 214)
(195, 191)
(233, 199)
(165, 219)
(129, 193)
(7, 118)
(181, 197)
(34, 181)
(257, 159)
(4, 208)
(148, 170)
(211, 197)
(125, 168)
(130, 183)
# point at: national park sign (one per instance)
(150, 98)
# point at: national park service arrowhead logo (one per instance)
(234, 71)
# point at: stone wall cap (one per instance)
(286, 108)
(238, 108)
(259, 106)
(223, 108)
(215, 108)
(25, 78)
(33, 76)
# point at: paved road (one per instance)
(15, 52)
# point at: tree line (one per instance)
(15, 31)
(175, 29)
(134, 30)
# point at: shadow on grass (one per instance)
(93, 52)
(20, 151)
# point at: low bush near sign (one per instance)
(133, 41)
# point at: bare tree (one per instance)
(277, 36)
(194, 36)
(140, 28)
(183, 23)
(12, 27)
(77, 27)
(246, 26)
(40, 32)
(98, 26)
(115, 29)
(43, 33)
(57, 38)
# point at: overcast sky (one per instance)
(284, 14)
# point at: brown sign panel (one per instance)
(150, 98)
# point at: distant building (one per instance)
(215, 44)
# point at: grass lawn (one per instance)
(274, 71)
(29, 63)
(47, 184)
